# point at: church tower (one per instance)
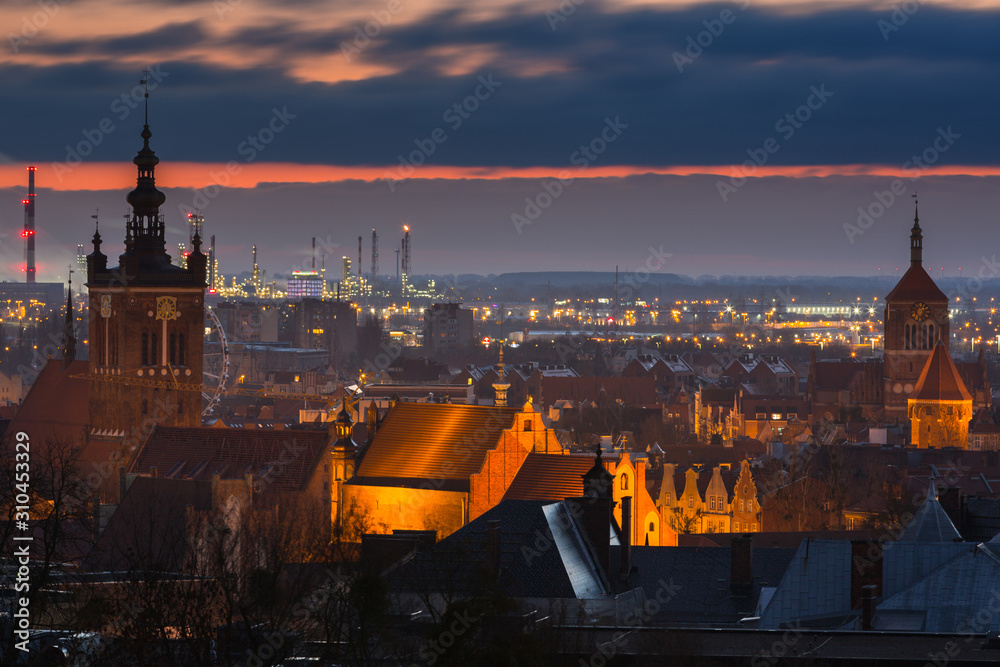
(146, 322)
(916, 318)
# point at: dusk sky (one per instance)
(456, 118)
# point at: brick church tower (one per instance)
(916, 318)
(146, 323)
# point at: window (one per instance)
(173, 349)
(753, 528)
(741, 505)
(145, 406)
(690, 503)
(652, 527)
(152, 349)
(711, 503)
(145, 349)
(527, 424)
(624, 482)
(181, 357)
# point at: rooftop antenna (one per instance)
(145, 87)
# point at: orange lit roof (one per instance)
(434, 441)
(549, 477)
(939, 380)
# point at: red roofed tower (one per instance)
(940, 407)
(916, 318)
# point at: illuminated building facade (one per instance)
(305, 285)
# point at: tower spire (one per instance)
(69, 337)
(916, 236)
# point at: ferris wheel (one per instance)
(216, 366)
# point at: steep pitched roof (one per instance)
(930, 523)
(434, 441)
(549, 477)
(457, 564)
(57, 406)
(283, 459)
(916, 285)
(940, 380)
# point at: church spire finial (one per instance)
(69, 335)
(916, 236)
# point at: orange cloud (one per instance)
(114, 176)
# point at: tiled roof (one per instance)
(817, 582)
(283, 459)
(57, 407)
(434, 441)
(916, 285)
(703, 575)
(939, 380)
(954, 592)
(549, 477)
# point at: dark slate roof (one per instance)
(283, 459)
(549, 477)
(702, 577)
(530, 564)
(930, 523)
(434, 441)
(954, 592)
(816, 583)
(815, 590)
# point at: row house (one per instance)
(670, 373)
(715, 500)
(772, 374)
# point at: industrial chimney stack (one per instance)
(29, 228)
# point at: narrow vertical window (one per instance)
(145, 349)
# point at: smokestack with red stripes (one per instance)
(29, 228)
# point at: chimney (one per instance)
(950, 498)
(95, 506)
(493, 539)
(866, 569)
(868, 597)
(741, 565)
(626, 538)
(152, 471)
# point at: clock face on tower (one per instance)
(920, 311)
(166, 308)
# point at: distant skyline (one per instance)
(457, 119)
